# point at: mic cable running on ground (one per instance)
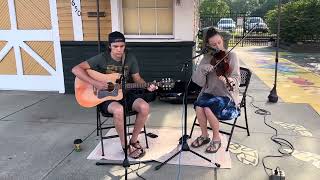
(283, 143)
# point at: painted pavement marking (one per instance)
(295, 84)
(307, 157)
(244, 154)
(294, 127)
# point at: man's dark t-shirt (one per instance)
(104, 63)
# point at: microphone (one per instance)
(212, 50)
(208, 50)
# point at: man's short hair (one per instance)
(116, 37)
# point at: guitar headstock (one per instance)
(166, 83)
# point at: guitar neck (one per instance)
(138, 85)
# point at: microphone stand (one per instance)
(183, 139)
(273, 97)
(126, 164)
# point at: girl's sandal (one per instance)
(214, 146)
(200, 141)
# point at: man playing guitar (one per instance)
(111, 62)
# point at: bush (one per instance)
(299, 20)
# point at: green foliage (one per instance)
(299, 20)
(244, 6)
(267, 5)
(214, 7)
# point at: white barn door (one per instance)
(30, 52)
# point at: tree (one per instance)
(213, 7)
(299, 20)
(244, 6)
(267, 5)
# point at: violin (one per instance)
(220, 61)
(221, 66)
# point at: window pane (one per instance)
(130, 21)
(147, 3)
(147, 21)
(150, 17)
(164, 3)
(165, 21)
(129, 3)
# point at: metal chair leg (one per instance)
(98, 119)
(101, 139)
(231, 133)
(194, 122)
(145, 136)
(246, 119)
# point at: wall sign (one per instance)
(77, 20)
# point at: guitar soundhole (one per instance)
(110, 86)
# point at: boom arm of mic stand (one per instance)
(243, 37)
(185, 63)
(204, 51)
(234, 46)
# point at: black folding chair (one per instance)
(101, 126)
(244, 84)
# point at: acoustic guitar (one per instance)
(88, 96)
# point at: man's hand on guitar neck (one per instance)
(152, 87)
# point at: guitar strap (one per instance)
(123, 59)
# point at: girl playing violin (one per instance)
(219, 97)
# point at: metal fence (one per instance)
(238, 25)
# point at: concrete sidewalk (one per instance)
(37, 132)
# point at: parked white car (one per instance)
(226, 24)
